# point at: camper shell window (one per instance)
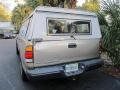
(67, 26)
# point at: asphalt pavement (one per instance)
(10, 76)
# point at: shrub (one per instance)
(111, 35)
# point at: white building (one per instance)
(6, 27)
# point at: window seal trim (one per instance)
(88, 21)
(30, 19)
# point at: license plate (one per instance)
(71, 67)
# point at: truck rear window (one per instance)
(63, 26)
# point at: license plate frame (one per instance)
(71, 67)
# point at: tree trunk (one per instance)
(70, 4)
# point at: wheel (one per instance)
(23, 74)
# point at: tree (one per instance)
(92, 5)
(70, 4)
(19, 14)
(52, 3)
(4, 14)
(34, 3)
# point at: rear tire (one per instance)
(23, 74)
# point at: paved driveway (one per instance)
(10, 76)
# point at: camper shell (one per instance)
(65, 42)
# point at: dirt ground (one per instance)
(108, 68)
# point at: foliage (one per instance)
(19, 14)
(4, 14)
(52, 3)
(101, 17)
(111, 38)
(91, 5)
(34, 3)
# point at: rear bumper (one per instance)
(58, 71)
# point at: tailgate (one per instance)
(56, 52)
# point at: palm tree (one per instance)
(19, 14)
(111, 38)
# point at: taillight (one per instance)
(29, 53)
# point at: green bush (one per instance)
(111, 32)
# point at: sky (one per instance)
(80, 2)
(10, 4)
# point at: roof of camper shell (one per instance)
(61, 10)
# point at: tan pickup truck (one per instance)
(57, 42)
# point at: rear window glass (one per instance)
(63, 26)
